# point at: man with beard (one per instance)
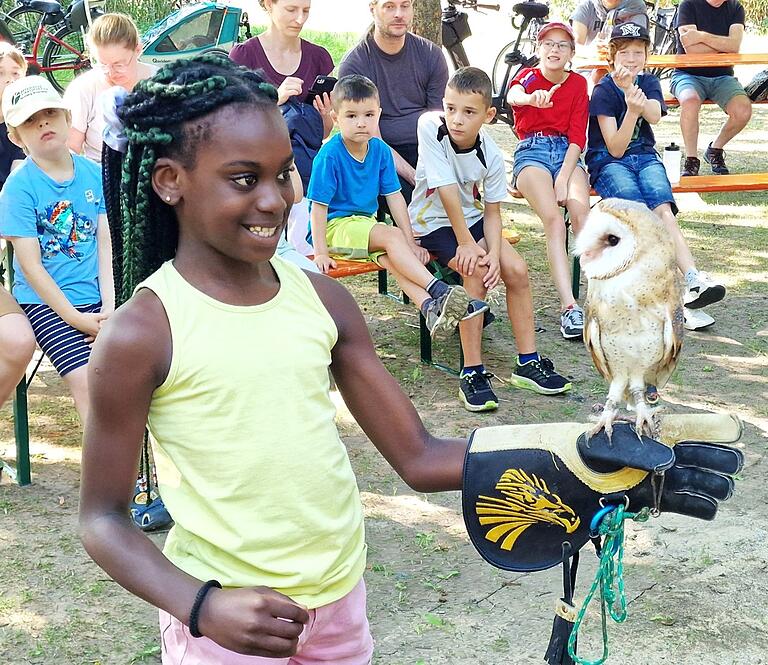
(410, 73)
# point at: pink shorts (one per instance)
(337, 633)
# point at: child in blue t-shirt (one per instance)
(52, 210)
(349, 173)
(622, 158)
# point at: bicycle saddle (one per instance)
(45, 6)
(531, 9)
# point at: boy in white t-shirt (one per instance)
(462, 228)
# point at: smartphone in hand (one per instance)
(321, 85)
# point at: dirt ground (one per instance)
(697, 592)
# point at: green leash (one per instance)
(609, 578)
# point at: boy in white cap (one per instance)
(52, 211)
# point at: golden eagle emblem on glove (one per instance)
(527, 501)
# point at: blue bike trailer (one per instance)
(192, 30)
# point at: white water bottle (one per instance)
(672, 163)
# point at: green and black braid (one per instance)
(157, 119)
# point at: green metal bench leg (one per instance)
(383, 286)
(22, 473)
(576, 277)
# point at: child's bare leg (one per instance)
(77, 382)
(682, 253)
(578, 199)
(417, 294)
(514, 274)
(17, 344)
(471, 330)
(412, 276)
(537, 187)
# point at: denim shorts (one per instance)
(639, 178)
(546, 152)
(719, 89)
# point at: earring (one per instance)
(167, 199)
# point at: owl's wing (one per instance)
(672, 342)
(593, 341)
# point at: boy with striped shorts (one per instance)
(52, 211)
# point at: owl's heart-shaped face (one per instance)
(606, 245)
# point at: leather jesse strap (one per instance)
(528, 489)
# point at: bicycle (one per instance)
(527, 18)
(663, 35)
(62, 33)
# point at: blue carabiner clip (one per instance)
(594, 525)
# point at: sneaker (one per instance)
(715, 157)
(476, 393)
(540, 377)
(475, 308)
(696, 319)
(444, 312)
(572, 323)
(702, 291)
(691, 166)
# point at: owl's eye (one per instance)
(613, 240)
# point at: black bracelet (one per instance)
(194, 613)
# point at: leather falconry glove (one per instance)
(531, 489)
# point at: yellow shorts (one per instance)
(347, 238)
(8, 304)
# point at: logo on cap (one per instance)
(630, 30)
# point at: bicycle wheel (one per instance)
(64, 58)
(22, 22)
(666, 47)
(526, 48)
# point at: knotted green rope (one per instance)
(609, 579)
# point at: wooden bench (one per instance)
(351, 268)
(672, 101)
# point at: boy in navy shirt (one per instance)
(622, 158)
(349, 173)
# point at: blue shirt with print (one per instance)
(608, 100)
(63, 217)
(350, 187)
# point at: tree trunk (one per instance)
(426, 20)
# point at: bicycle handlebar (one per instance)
(473, 4)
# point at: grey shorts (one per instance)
(719, 89)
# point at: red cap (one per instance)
(556, 25)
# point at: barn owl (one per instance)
(634, 310)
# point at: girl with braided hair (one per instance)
(223, 350)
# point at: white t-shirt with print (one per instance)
(441, 163)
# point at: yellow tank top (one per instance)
(249, 461)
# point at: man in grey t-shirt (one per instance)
(589, 17)
(410, 73)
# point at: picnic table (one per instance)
(685, 60)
